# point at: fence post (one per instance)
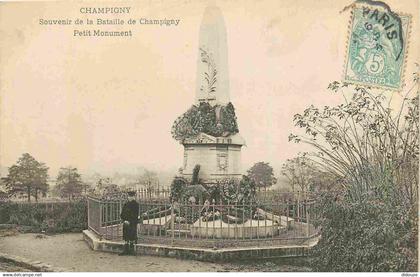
(100, 219)
(88, 211)
(106, 211)
(172, 224)
(307, 218)
(298, 208)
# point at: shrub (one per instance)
(373, 153)
(51, 217)
(177, 186)
(203, 118)
(369, 235)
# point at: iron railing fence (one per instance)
(153, 193)
(262, 220)
(161, 194)
(95, 207)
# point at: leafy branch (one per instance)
(371, 149)
(211, 75)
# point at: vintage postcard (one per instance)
(209, 136)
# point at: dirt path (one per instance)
(71, 252)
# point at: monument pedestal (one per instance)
(217, 148)
(218, 157)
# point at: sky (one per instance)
(108, 104)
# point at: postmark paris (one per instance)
(377, 47)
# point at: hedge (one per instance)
(56, 217)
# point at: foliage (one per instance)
(369, 235)
(196, 171)
(103, 185)
(177, 186)
(212, 120)
(149, 179)
(198, 193)
(225, 191)
(69, 183)
(181, 191)
(233, 191)
(229, 190)
(74, 218)
(27, 175)
(49, 217)
(372, 150)
(304, 175)
(190, 213)
(4, 195)
(111, 190)
(262, 174)
(362, 144)
(248, 189)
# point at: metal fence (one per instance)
(95, 207)
(283, 219)
(153, 193)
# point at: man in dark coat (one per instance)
(129, 216)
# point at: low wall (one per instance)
(202, 254)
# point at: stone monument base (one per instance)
(218, 157)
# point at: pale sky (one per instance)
(109, 103)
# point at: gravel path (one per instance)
(69, 251)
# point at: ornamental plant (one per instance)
(212, 120)
(370, 223)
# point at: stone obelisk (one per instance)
(212, 63)
(217, 153)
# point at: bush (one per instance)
(369, 235)
(203, 118)
(177, 186)
(372, 151)
(50, 217)
(4, 213)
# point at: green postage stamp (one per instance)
(377, 47)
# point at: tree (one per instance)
(101, 184)
(149, 179)
(297, 173)
(304, 175)
(3, 190)
(87, 188)
(69, 183)
(105, 187)
(27, 175)
(262, 174)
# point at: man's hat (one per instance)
(131, 193)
